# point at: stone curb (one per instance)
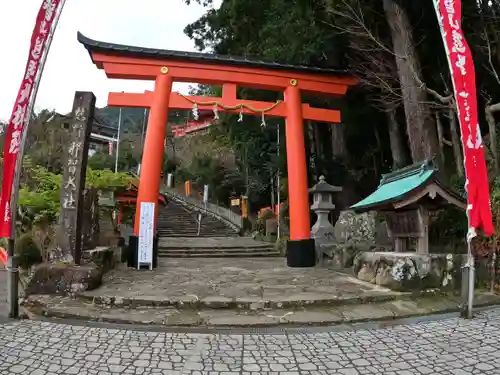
(252, 304)
(207, 323)
(349, 314)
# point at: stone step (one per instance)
(166, 245)
(214, 242)
(180, 223)
(174, 220)
(214, 249)
(215, 312)
(165, 234)
(217, 254)
(192, 235)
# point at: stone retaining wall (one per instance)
(411, 271)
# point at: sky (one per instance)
(153, 23)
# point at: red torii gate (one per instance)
(165, 67)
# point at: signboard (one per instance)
(73, 175)
(205, 193)
(235, 202)
(146, 235)
(404, 224)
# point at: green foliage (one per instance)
(486, 246)
(207, 170)
(277, 34)
(107, 180)
(260, 224)
(280, 245)
(28, 252)
(101, 160)
(39, 195)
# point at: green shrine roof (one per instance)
(398, 185)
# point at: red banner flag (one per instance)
(21, 113)
(461, 64)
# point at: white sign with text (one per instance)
(146, 234)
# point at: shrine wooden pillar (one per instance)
(152, 159)
(300, 248)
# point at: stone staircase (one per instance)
(214, 247)
(177, 228)
(177, 220)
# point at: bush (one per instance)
(280, 245)
(247, 225)
(28, 252)
(260, 224)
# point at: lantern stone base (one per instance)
(300, 253)
(133, 250)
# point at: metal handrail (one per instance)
(224, 214)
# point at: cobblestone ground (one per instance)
(445, 347)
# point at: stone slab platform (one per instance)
(243, 283)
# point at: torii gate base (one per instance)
(165, 67)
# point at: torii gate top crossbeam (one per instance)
(128, 62)
(179, 101)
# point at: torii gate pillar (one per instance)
(152, 158)
(300, 248)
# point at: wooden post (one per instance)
(423, 240)
(73, 182)
(400, 245)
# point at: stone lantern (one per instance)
(322, 230)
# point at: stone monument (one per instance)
(73, 181)
(322, 231)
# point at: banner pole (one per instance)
(13, 277)
(468, 277)
(118, 139)
(278, 182)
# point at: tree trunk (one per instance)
(396, 141)
(339, 147)
(377, 151)
(312, 150)
(490, 118)
(455, 140)
(420, 127)
(317, 142)
(440, 131)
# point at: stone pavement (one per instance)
(442, 347)
(265, 279)
(215, 292)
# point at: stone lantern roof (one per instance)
(324, 187)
